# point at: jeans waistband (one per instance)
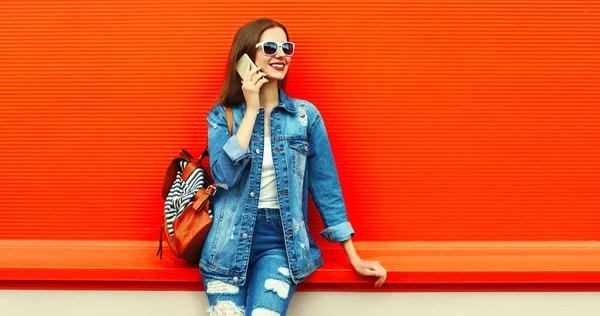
(271, 211)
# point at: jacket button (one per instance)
(257, 151)
(251, 194)
(235, 279)
(244, 235)
(305, 148)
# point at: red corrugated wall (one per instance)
(449, 120)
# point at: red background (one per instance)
(449, 120)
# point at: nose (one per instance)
(279, 54)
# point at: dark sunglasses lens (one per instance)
(288, 48)
(270, 48)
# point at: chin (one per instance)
(278, 77)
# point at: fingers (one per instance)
(372, 268)
(250, 72)
(258, 77)
(253, 72)
(262, 82)
(380, 281)
(255, 77)
(370, 272)
(379, 271)
(374, 265)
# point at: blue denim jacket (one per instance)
(303, 161)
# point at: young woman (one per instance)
(258, 248)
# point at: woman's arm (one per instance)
(326, 191)
(250, 87)
(324, 184)
(244, 132)
(228, 158)
(230, 154)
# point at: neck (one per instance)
(269, 95)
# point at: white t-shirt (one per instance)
(268, 186)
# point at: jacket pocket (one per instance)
(224, 218)
(299, 150)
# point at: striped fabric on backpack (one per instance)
(182, 194)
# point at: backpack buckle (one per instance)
(211, 189)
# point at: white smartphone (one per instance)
(242, 65)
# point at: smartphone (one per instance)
(242, 65)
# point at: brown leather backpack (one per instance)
(187, 191)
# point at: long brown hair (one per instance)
(244, 42)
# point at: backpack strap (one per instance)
(229, 113)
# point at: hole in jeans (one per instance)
(226, 308)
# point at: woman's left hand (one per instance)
(371, 268)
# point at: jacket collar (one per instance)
(286, 102)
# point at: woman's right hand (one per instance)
(251, 87)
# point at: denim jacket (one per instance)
(303, 161)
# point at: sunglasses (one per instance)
(270, 48)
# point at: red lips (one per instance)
(279, 64)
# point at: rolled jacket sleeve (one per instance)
(227, 157)
(234, 150)
(337, 233)
(324, 185)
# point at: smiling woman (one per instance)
(258, 250)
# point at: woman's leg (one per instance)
(225, 299)
(270, 287)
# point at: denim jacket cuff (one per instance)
(338, 233)
(234, 150)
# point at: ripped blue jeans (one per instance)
(269, 288)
